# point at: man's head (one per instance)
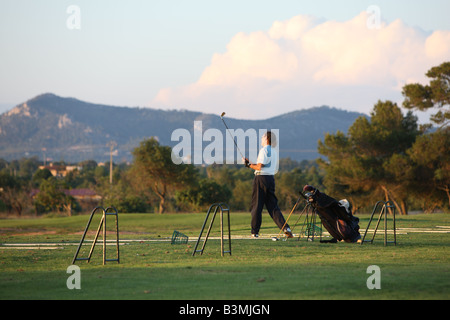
(269, 139)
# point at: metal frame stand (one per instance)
(386, 205)
(102, 224)
(309, 225)
(223, 208)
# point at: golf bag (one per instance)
(336, 216)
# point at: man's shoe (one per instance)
(255, 235)
(288, 233)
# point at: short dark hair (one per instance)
(271, 138)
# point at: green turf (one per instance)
(417, 268)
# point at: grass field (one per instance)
(417, 268)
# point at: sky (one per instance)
(251, 59)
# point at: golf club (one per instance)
(221, 117)
(293, 209)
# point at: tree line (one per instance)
(390, 156)
(151, 183)
(386, 157)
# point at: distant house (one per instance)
(60, 171)
(83, 194)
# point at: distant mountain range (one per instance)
(72, 130)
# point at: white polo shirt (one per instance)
(268, 156)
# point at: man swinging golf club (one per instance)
(264, 186)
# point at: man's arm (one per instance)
(255, 167)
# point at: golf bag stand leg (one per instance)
(308, 228)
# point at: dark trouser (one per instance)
(264, 194)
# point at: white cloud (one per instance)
(304, 62)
